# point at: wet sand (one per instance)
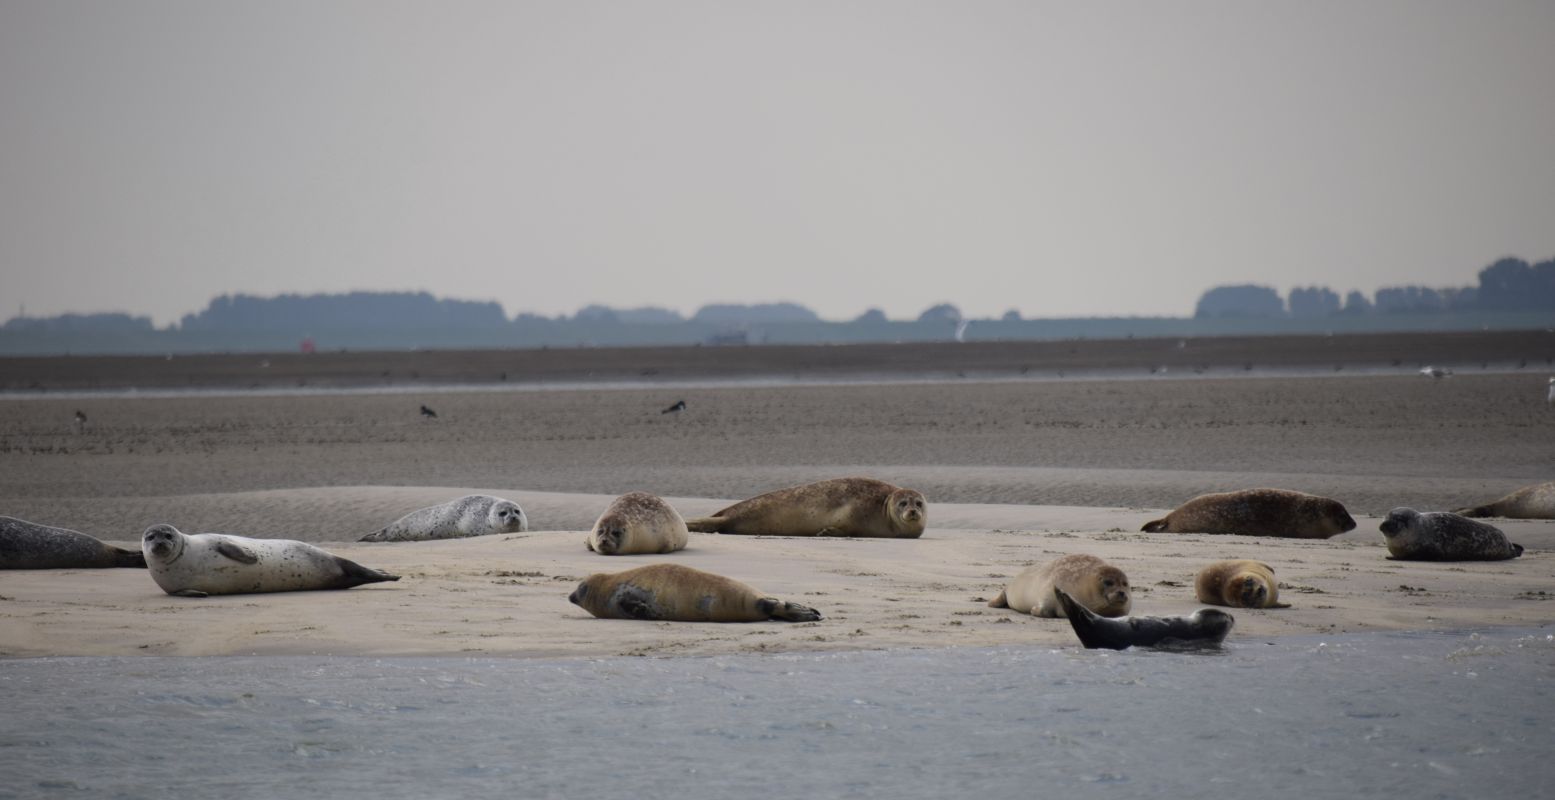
(1016, 472)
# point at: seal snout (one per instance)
(576, 598)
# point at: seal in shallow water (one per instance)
(1530, 502)
(836, 507)
(638, 522)
(1444, 536)
(471, 515)
(1238, 583)
(681, 594)
(28, 545)
(1206, 627)
(1097, 585)
(1258, 512)
(217, 563)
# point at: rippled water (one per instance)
(1396, 715)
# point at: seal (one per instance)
(636, 523)
(1098, 585)
(1530, 502)
(1258, 512)
(671, 592)
(217, 563)
(1444, 536)
(1238, 583)
(836, 507)
(28, 545)
(471, 515)
(1204, 628)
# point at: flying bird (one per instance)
(428, 413)
(680, 405)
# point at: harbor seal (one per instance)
(471, 515)
(636, 523)
(836, 507)
(1206, 627)
(1238, 583)
(1444, 536)
(1098, 585)
(1258, 512)
(217, 563)
(28, 545)
(1530, 502)
(675, 593)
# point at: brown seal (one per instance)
(1530, 502)
(28, 545)
(675, 593)
(1091, 581)
(837, 507)
(1258, 512)
(635, 523)
(1444, 536)
(1238, 583)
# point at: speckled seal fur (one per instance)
(836, 507)
(1258, 512)
(1444, 536)
(638, 523)
(1530, 502)
(1238, 583)
(28, 545)
(471, 515)
(217, 563)
(1093, 582)
(671, 592)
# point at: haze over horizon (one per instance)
(1064, 160)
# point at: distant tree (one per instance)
(1460, 298)
(81, 323)
(872, 316)
(597, 314)
(353, 311)
(1011, 316)
(1408, 299)
(1356, 303)
(944, 312)
(649, 315)
(1244, 300)
(1511, 284)
(1314, 301)
(756, 314)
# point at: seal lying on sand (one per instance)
(1098, 585)
(836, 507)
(1206, 627)
(471, 515)
(1258, 512)
(28, 545)
(681, 594)
(638, 522)
(1530, 502)
(1443, 536)
(1238, 583)
(216, 563)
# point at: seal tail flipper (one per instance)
(1517, 550)
(376, 536)
(1155, 526)
(788, 612)
(354, 574)
(1475, 511)
(999, 602)
(704, 524)
(134, 559)
(1083, 621)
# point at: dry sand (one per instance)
(1015, 472)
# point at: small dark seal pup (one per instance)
(1444, 536)
(679, 406)
(428, 413)
(1206, 627)
(28, 545)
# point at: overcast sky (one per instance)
(1059, 158)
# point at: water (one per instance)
(1398, 715)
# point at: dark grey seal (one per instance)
(1206, 627)
(1444, 536)
(28, 545)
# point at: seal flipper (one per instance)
(787, 612)
(999, 602)
(1088, 626)
(189, 593)
(236, 552)
(354, 574)
(1475, 511)
(380, 535)
(134, 559)
(635, 603)
(705, 524)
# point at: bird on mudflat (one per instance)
(1435, 372)
(428, 413)
(680, 405)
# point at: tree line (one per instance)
(1510, 284)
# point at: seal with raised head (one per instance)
(1444, 536)
(218, 563)
(28, 545)
(1239, 583)
(1258, 512)
(1098, 585)
(836, 507)
(1530, 502)
(471, 515)
(636, 523)
(1206, 627)
(671, 592)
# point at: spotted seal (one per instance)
(218, 563)
(1444, 536)
(635, 523)
(28, 545)
(836, 507)
(471, 515)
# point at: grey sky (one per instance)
(1060, 158)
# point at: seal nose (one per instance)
(573, 598)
